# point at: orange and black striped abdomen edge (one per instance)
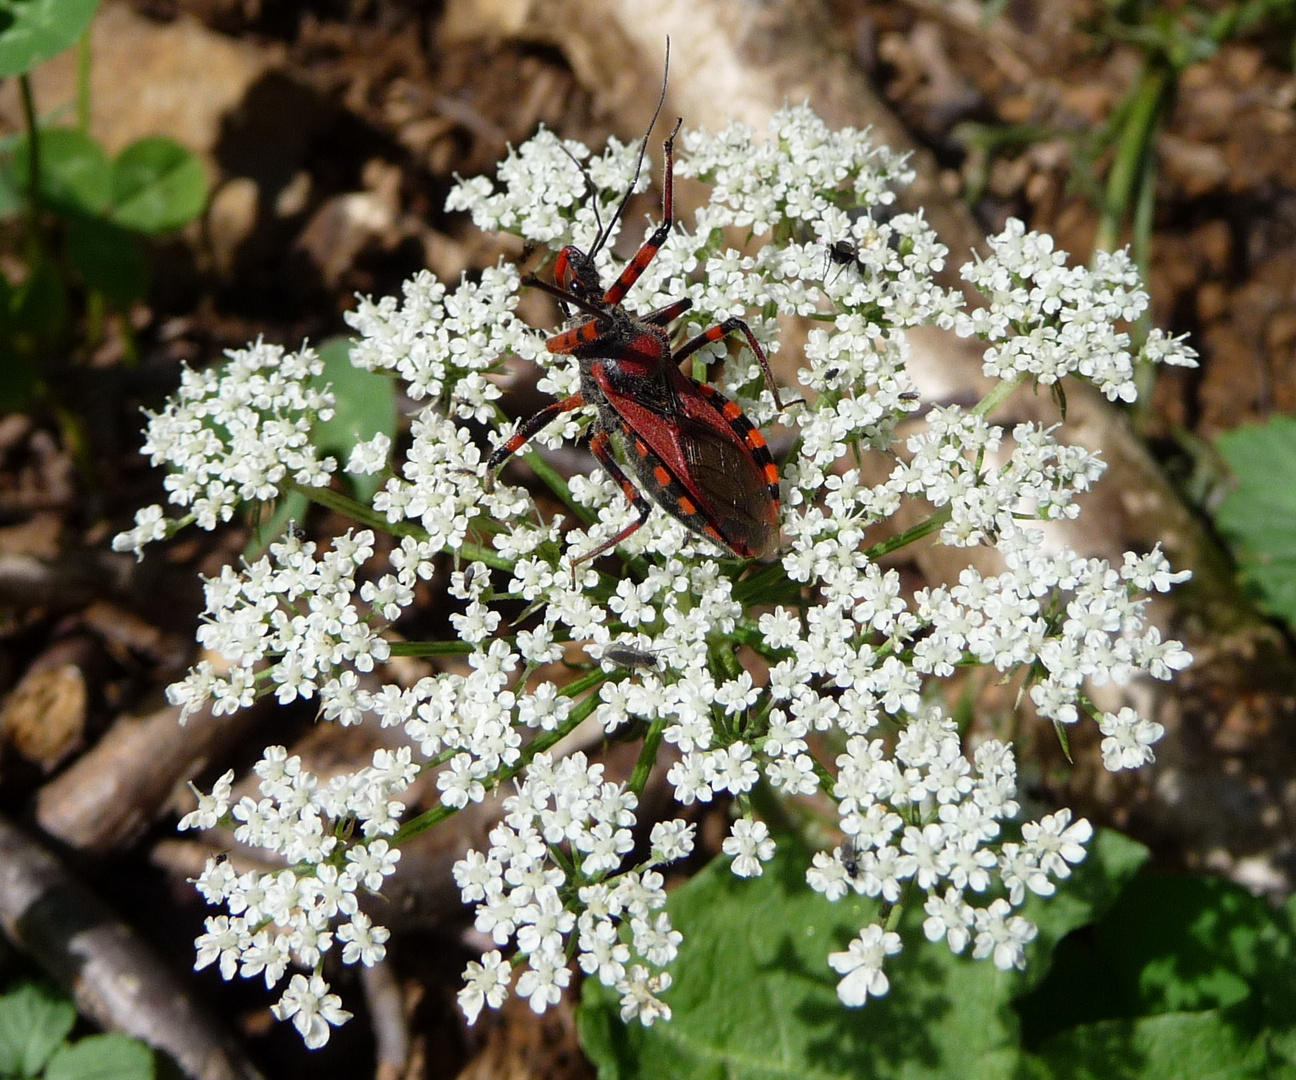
(748, 433)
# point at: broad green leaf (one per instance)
(108, 259)
(102, 1057)
(1275, 987)
(366, 405)
(1218, 1044)
(754, 997)
(156, 185)
(35, 30)
(1170, 944)
(1094, 886)
(74, 171)
(33, 1024)
(1259, 516)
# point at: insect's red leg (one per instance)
(601, 447)
(568, 341)
(529, 429)
(723, 329)
(667, 314)
(636, 266)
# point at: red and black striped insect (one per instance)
(691, 449)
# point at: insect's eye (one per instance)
(567, 267)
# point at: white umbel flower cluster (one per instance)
(848, 659)
(287, 916)
(235, 435)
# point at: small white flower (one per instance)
(749, 844)
(1002, 936)
(311, 1008)
(861, 965)
(639, 995)
(485, 983)
(211, 808)
(369, 456)
(1129, 739)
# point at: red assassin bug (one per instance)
(691, 448)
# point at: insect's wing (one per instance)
(732, 485)
(727, 484)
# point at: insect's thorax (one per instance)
(627, 344)
(646, 382)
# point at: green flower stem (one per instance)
(894, 913)
(357, 511)
(33, 159)
(748, 632)
(553, 480)
(1001, 392)
(365, 515)
(996, 397)
(923, 528)
(773, 810)
(588, 681)
(827, 781)
(431, 648)
(647, 755)
(538, 745)
(562, 491)
(756, 587)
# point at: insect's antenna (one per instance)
(643, 149)
(590, 189)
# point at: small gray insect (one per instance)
(627, 656)
(849, 854)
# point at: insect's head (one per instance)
(574, 272)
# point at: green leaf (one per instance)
(73, 171)
(1213, 1045)
(108, 259)
(102, 1057)
(366, 405)
(754, 997)
(1094, 887)
(1259, 516)
(156, 185)
(35, 30)
(33, 1024)
(1170, 944)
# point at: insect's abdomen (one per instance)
(708, 470)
